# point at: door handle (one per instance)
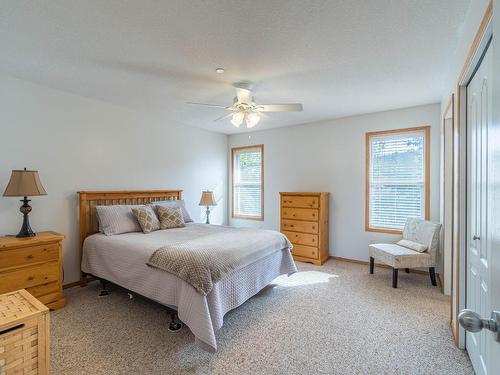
(471, 321)
(474, 237)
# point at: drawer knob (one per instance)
(31, 278)
(30, 256)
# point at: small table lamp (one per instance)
(207, 199)
(24, 184)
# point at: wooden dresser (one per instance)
(34, 264)
(304, 220)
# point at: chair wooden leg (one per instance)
(372, 263)
(432, 273)
(407, 270)
(394, 277)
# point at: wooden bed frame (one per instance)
(90, 199)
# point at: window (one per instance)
(248, 182)
(397, 178)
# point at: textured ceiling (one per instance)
(338, 58)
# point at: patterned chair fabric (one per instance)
(416, 230)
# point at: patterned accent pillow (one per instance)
(176, 203)
(147, 218)
(412, 245)
(170, 217)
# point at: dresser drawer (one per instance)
(299, 201)
(41, 290)
(33, 254)
(46, 293)
(299, 226)
(305, 251)
(29, 277)
(302, 238)
(47, 299)
(300, 213)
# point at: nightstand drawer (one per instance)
(300, 202)
(299, 226)
(302, 238)
(29, 277)
(33, 254)
(305, 251)
(300, 213)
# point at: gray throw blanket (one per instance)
(203, 261)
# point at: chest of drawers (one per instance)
(304, 220)
(34, 264)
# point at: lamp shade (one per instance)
(207, 199)
(24, 183)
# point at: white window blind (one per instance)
(397, 178)
(247, 182)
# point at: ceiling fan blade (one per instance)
(244, 95)
(292, 107)
(209, 105)
(223, 117)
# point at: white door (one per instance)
(482, 248)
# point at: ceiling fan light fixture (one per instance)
(244, 107)
(237, 119)
(252, 119)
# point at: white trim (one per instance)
(462, 111)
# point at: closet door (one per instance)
(479, 117)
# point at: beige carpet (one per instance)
(334, 319)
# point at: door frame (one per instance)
(479, 45)
(448, 114)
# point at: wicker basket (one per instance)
(24, 334)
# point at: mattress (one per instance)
(121, 259)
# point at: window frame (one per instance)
(248, 217)
(427, 140)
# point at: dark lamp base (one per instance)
(22, 234)
(26, 230)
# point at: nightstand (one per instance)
(34, 264)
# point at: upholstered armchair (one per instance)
(417, 249)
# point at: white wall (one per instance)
(83, 144)
(330, 156)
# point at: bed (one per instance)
(122, 259)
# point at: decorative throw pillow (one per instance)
(413, 245)
(170, 217)
(117, 219)
(176, 203)
(147, 218)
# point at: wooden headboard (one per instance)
(90, 199)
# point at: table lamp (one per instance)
(24, 183)
(207, 199)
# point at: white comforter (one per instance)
(122, 260)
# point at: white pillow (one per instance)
(178, 203)
(413, 245)
(117, 219)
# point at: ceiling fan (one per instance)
(245, 109)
